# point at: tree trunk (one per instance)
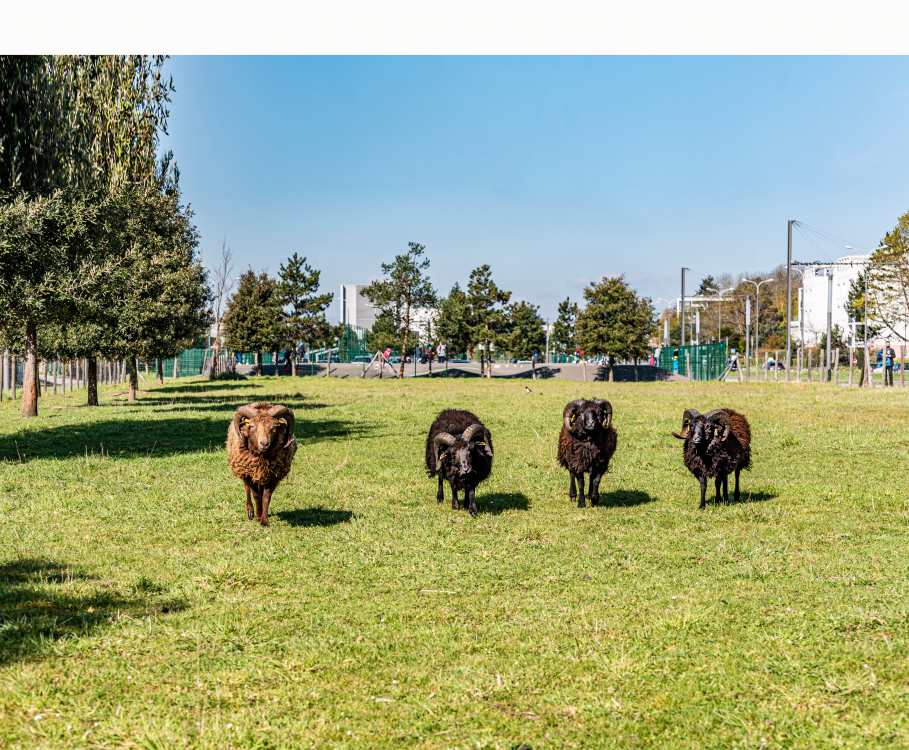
(160, 377)
(278, 366)
(30, 374)
(133, 379)
(45, 377)
(92, 381)
(56, 374)
(259, 362)
(635, 369)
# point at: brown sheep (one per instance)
(260, 448)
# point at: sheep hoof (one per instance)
(473, 512)
(581, 503)
(264, 522)
(250, 515)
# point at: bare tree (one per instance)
(223, 285)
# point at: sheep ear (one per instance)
(607, 411)
(687, 418)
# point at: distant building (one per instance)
(356, 310)
(814, 302)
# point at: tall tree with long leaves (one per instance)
(406, 287)
(71, 122)
(488, 316)
(526, 335)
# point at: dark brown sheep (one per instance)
(459, 450)
(716, 445)
(260, 448)
(586, 445)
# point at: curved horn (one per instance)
(443, 438)
(607, 411)
(720, 415)
(282, 412)
(473, 430)
(687, 417)
(569, 412)
(249, 412)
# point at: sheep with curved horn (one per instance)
(260, 450)
(716, 445)
(459, 451)
(587, 443)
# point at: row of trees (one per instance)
(98, 253)
(481, 319)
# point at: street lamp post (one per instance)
(757, 287)
(720, 293)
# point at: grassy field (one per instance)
(139, 607)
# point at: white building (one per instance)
(814, 302)
(356, 310)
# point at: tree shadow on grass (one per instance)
(154, 433)
(42, 602)
(318, 516)
(499, 502)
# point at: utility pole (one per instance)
(829, 318)
(789, 302)
(547, 340)
(682, 339)
(748, 338)
(666, 331)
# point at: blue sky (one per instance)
(552, 170)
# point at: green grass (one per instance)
(139, 607)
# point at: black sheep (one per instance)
(459, 451)
(716, 445)
(586, 445)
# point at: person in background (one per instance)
(287, 355)
(441, 352)
(886, 356)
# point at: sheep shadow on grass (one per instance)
(624, 499)
(44, 601)
(318, 516)
(497, 502)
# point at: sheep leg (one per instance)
(581, 503)
(572, 492)
(726, 488)
(250, 514)
(257, 494)
(593, 493)
(472, 501)
(440, 495)
(703, 481)
(719, 487)
(454, 498)
(737, 485)
(266, 499)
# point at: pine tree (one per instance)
(253, 319)
(563, 332)
(297, 287)
(406, 288)
(488, 321)
(527, 335)
(454, 325)
(855, 309)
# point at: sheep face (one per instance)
(706, 432)
(584, 418)
(459, 454)
(263, 432)
(262, 429)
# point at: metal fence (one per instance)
(707, 360)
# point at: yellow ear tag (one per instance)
(442, 456)
(283, 421)
(483, 444)
(573, 417)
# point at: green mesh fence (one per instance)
(707, 360)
